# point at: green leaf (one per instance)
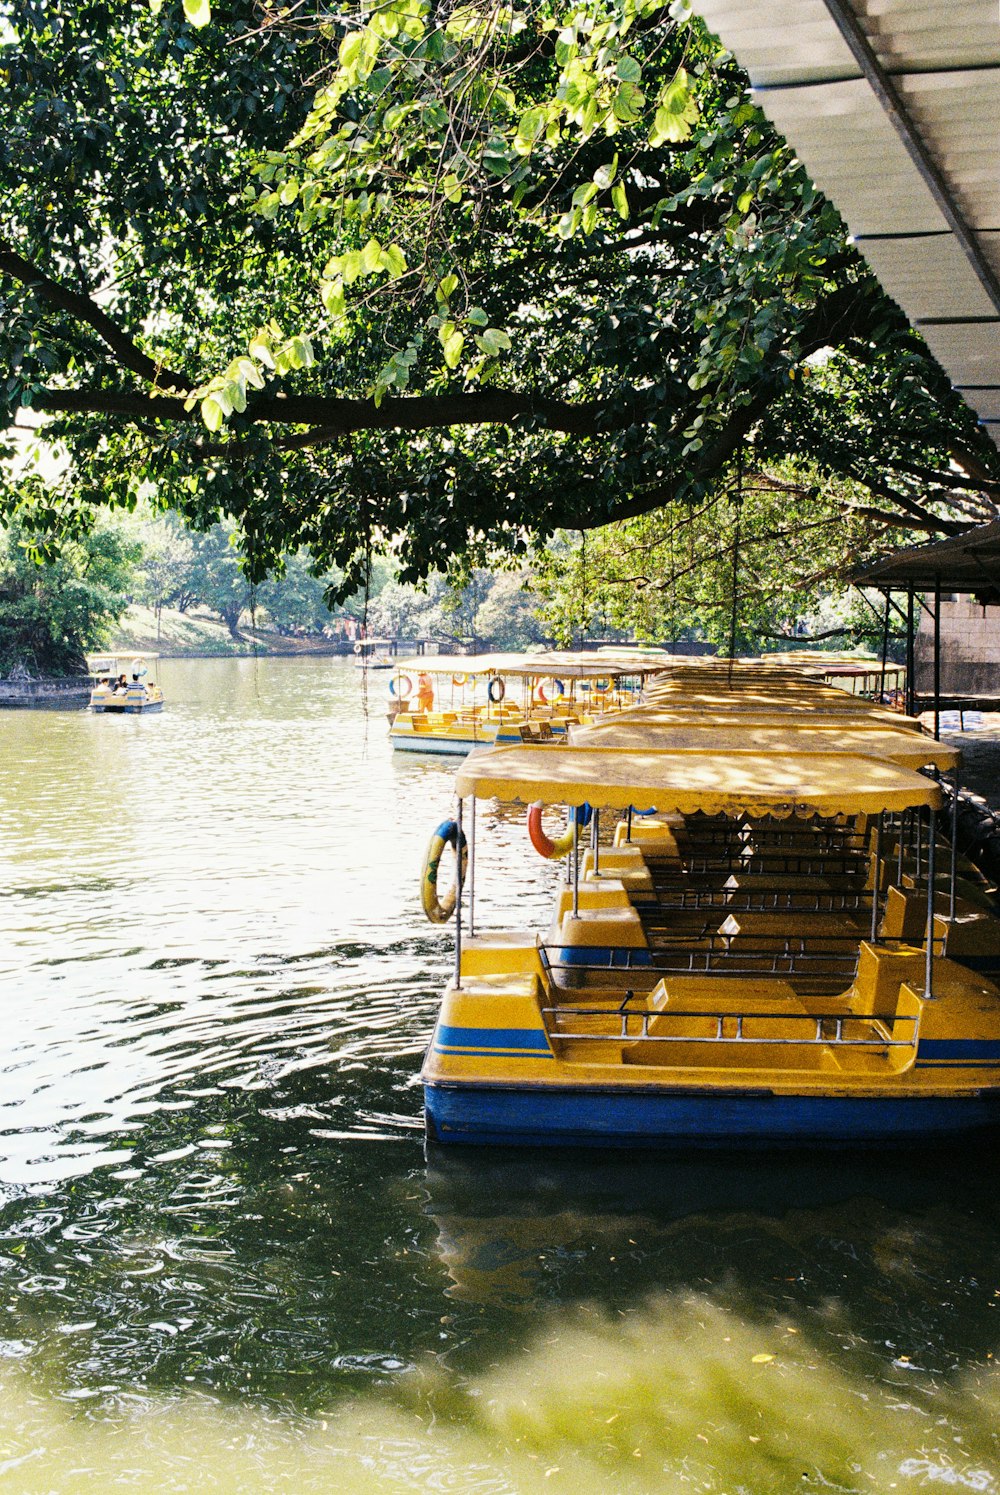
(447, 286)
(478, 317)
(605, 175)
(619, 197)
(628, 70)
(198, 13)
(370, 256)
(452, 342)
(453, 349)
(211, 413)
(260, 348)
(332, 296)
(353, 266)
(494, 340)
(394, 261)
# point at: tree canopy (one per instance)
(434, 279)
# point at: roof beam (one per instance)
(895, 107)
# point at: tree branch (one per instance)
(84, 309)
(331, 416)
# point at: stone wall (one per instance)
(970, 649)
(22, 690)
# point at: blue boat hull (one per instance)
(536, 1117)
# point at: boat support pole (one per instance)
(876, 875)
(920, 841)
(458, 898)
(576, 868)
(953, 870)
(929, 965)
(903, 828)
(911, 692)
(595, 841)
(472, 868)
(885, 646)
(937, 658)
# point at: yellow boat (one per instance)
(454, 704)
(124, 686)
(748, 965)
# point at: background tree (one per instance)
(759, 565)
(163, 577)
(218, 580)
(52, 612)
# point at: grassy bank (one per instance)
(194, 635)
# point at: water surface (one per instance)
(224, 1261)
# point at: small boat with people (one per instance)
(765, 935)
(124, 686)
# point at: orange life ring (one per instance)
(542, 693)
(459, 679)
(563, 844)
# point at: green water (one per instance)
(225, 1263)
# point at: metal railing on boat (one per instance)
(823, 1029)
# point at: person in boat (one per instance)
(121, 684)
(137, 683)
(425, 692)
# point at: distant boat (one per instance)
(373, 654)
(123, 685)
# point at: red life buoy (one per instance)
(563, 844)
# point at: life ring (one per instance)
(563, 844)
(542, 693)
(357, 648)
(602, 686)
(459, 680)
(396, 687)
(439, 909)
(496, 690)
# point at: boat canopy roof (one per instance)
(104, 658)
(802, 710)
(713, 783)
(907, 749)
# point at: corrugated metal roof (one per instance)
(892, 106)
(965, 563)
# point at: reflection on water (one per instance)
(224, 1262)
